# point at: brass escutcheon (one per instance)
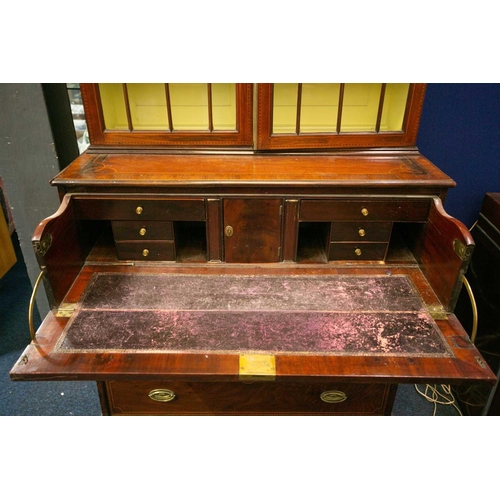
(333, 396)
(162, 395)
(142, 231)
(358, 251)
(229, 231)
(364, 211)
(145, 252)
(139, 210)
(361, 232)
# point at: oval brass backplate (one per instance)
(333, 396)
(162, 395)
(229, 231)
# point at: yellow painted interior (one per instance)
(284, 108)
(189, 106)
(319, 107)
(224, 106)
(189, 102)
(360, 107)
(393, 113)
(148, 106)
(113, 106)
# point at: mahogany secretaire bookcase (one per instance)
(252, 249)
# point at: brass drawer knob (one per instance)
(139, 210)
(364, 211)
(358, 251)
(162, 395)
(145, 252)
(361, 232)
(333, 396)
(229, 231)
(142, 231)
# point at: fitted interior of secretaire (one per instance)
(297, 108)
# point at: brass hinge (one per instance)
(65, 310)
(43, 245)
(437, 312)
(257, 367)
(461, 249)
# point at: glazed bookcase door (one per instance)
(338, 115)
(169, 115)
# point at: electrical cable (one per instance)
(433, 395)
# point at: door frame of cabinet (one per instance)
(242, 137)
(266, 140)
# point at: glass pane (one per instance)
(319, 107)
(148, 106)
(393, 113)
(113, 106)
(284, 108)
(360, 107)
(224, 106)
(189, 103)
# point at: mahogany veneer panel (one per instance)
(259, 398)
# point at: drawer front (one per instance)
(145, 250)
(368, 231)
(358, 251)
(349, 210)
(140, 209)
(147, 230)
(233, 398)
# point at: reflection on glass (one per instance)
(148, 106)
(319, 107)
(360, 107)
(113, 106)
(189, 103)
(284, 108)
(224, 106)
(396, 95)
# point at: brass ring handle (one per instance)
(142, 231)
(32, 304)
(474, 309)
(162, 395)
(358, 251)
(333, 396)
(139, 210)
(364, 211)
(145, 252)
(361, 232)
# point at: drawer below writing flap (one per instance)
(184, 398)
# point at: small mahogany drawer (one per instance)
(369, 231)
(237, 398)
(145, 250)
(146, 230)
(358, 210)
(358, 251)
(140, 209)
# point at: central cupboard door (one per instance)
(252, 230)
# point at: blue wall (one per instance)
(460, 133)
